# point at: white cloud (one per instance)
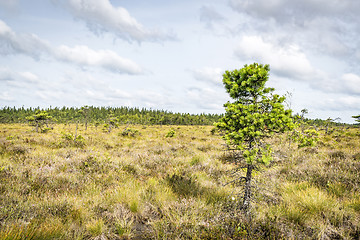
(102, 16)
(207, 74)
(327, 26)
(13, 43)
(5, 96)
(351, 83)
(6, 75)
(116, 93)
(29, 76)
(206, 99)
(296, 11)
(33, 46)
(311, 41)
(291, 63)
(152, 99)
(12, 76)
(287, 62)
(18, 80)
(209, 16)
(340, 104)
(4, 28)
(348, 83)
(85, 56)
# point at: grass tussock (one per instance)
(162, 182)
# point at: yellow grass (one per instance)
(153, 185)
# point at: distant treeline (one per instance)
(323, 123)
(99, 115)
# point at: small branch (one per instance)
(235, 180)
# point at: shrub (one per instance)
(170, 134)
(70, 140)
(308, 138)
(129, 132)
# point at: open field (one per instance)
(147, 184)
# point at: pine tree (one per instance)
(255, 115)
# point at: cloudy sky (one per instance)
(171, 54)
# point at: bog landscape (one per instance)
(168, 182)
(256, 172)
(161, 120)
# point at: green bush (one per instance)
(70, 140)
(129, 132)
(171, 133)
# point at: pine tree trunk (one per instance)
(76, 129)
(247, 193)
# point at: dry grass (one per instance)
(109, 186)
(156, 186)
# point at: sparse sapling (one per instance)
(255, 115)
(39, 120)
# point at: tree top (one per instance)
(247, 82)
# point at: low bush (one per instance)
(129, 132)
(170, 134)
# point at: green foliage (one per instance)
(67, 136)
(79, 141)
(39, 116)
(195, 160)
(100, 115)
(241, 231)
(303, 112)
(134, 206)
(45, 129)
(170, 134)
(308, 138)
(70, 140)
(39, 120)
(304, 134)
(84, 111)
(112, 122)
(106, 127)
(248, 82)
(129, 132)
(255, 115)
(357, 118)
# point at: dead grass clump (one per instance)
(40, 230)
(17, 149)
(337, 155)
(356, 156)
(205, 147)
(184, 185)
(311, 150)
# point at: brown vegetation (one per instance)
(146, 184)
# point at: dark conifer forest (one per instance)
(99, 115)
